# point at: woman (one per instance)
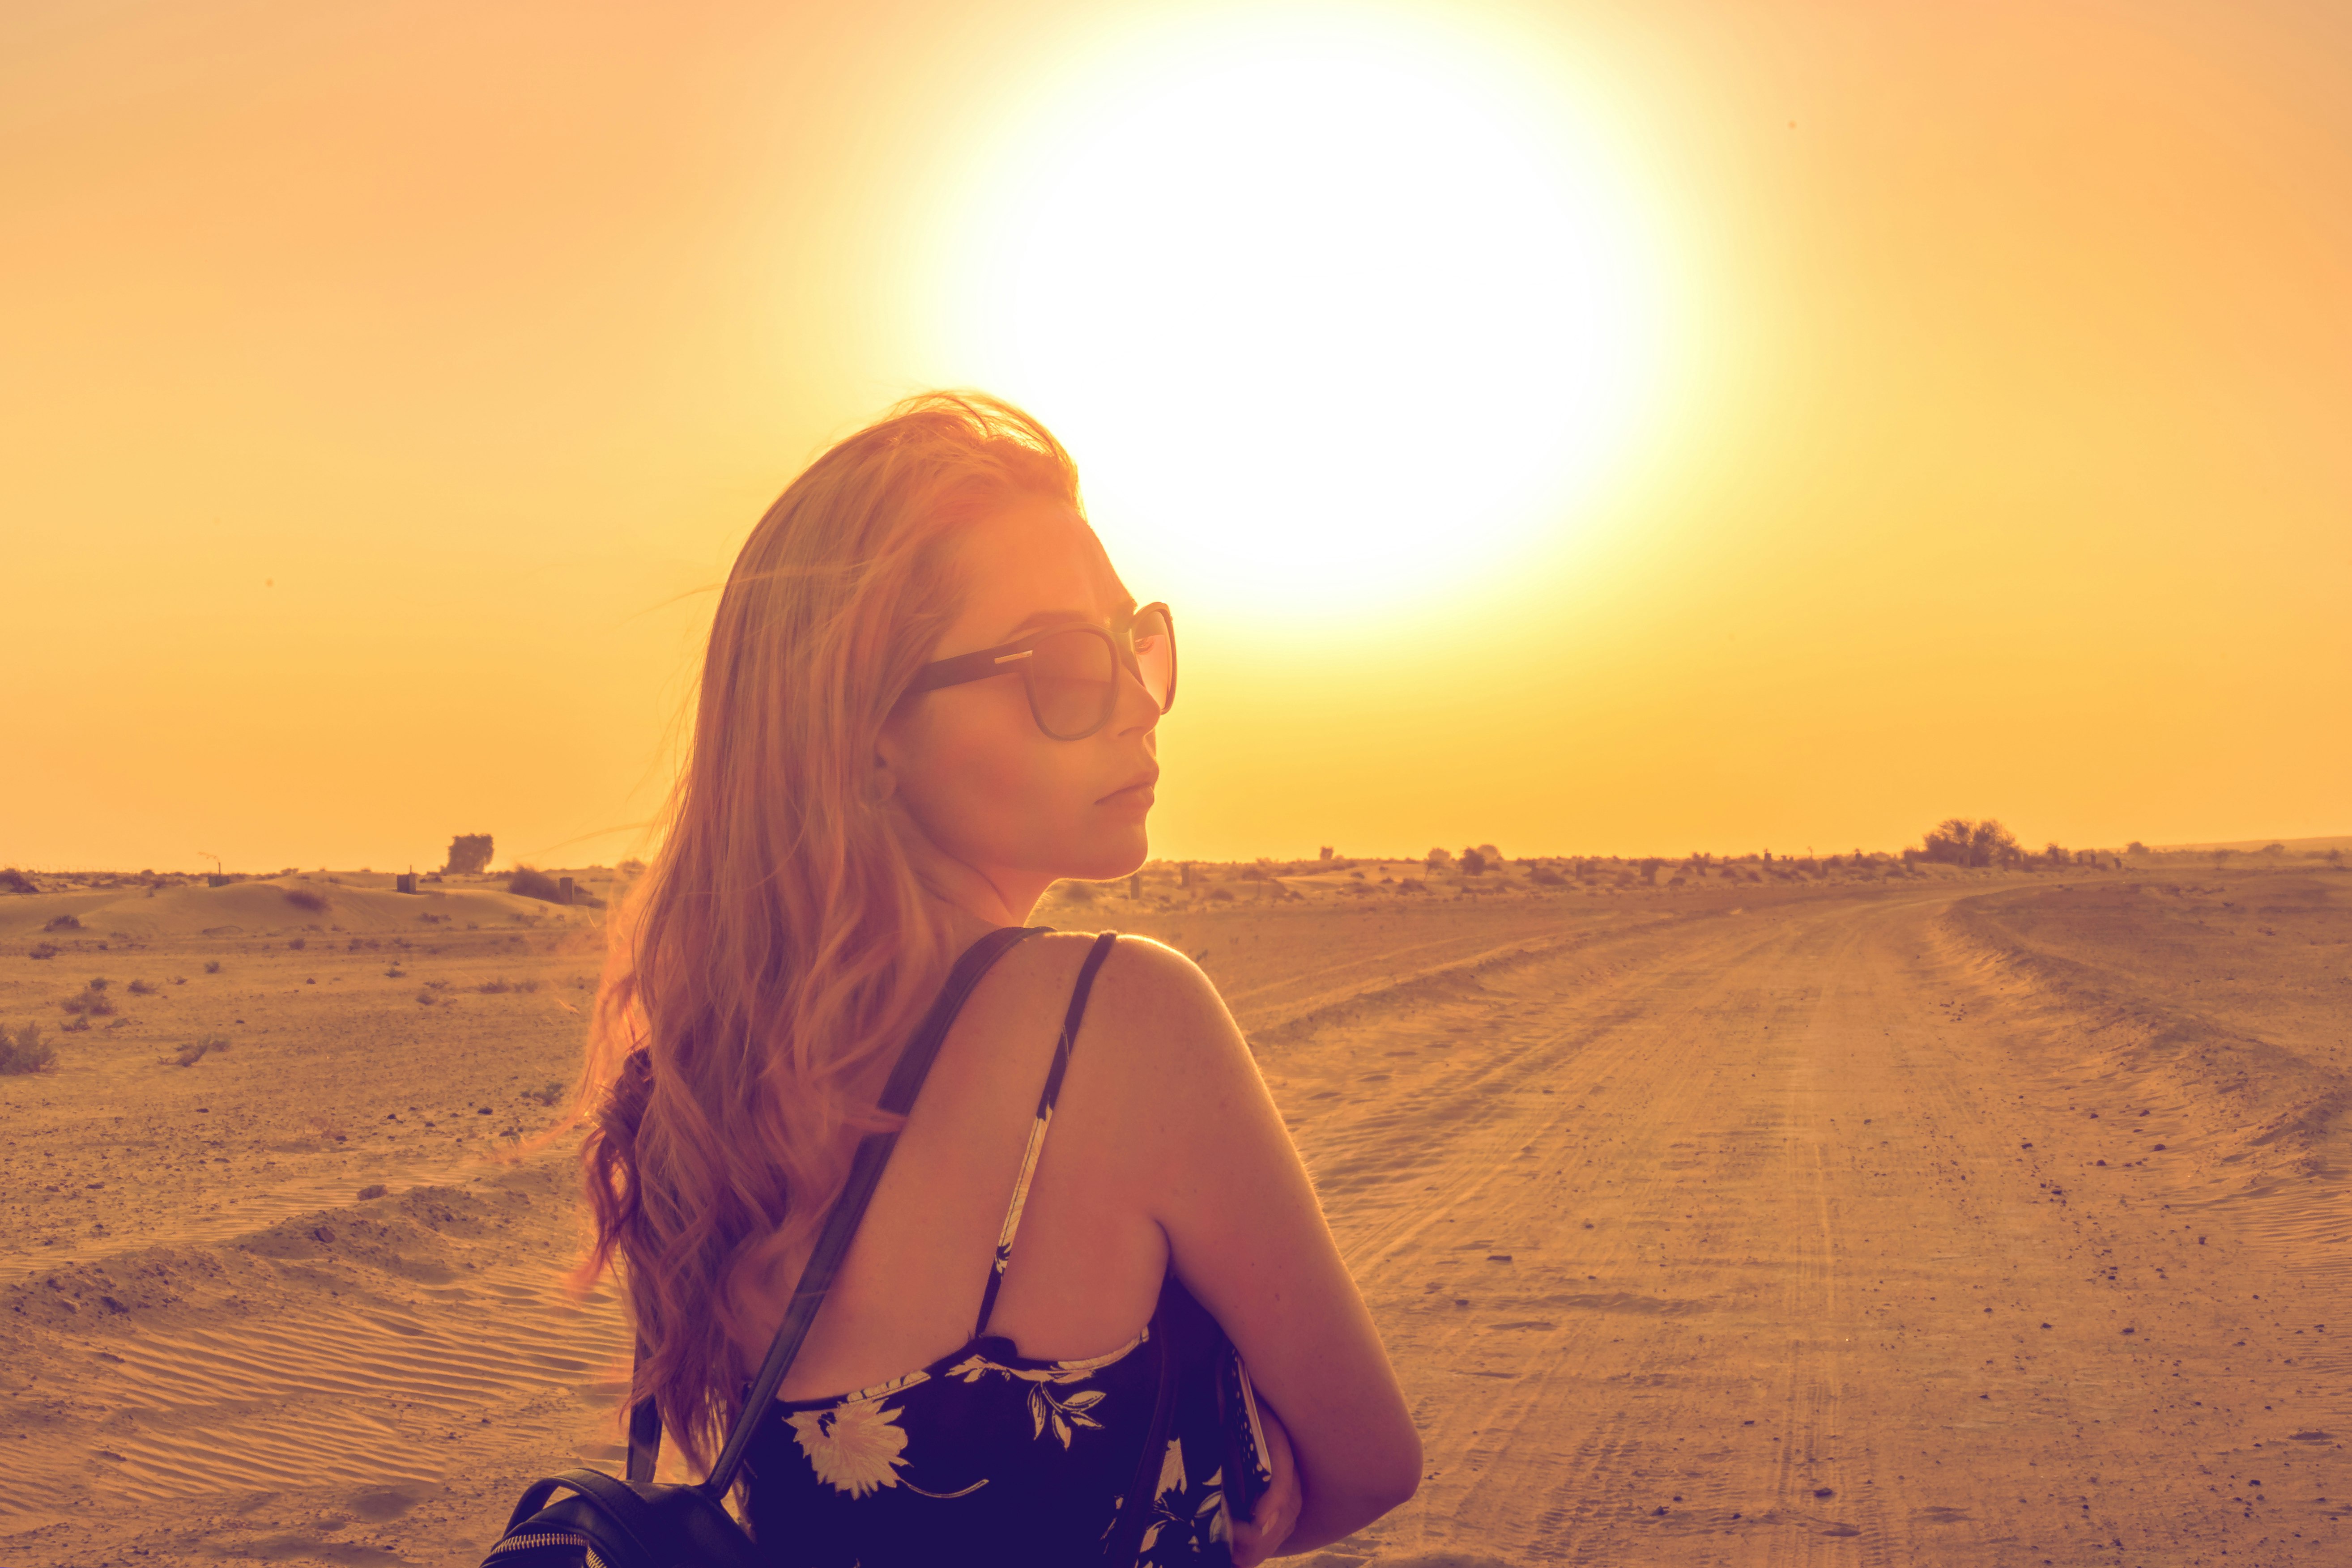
(927, 698)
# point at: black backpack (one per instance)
(637, 1523)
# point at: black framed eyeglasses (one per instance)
(1072, 674)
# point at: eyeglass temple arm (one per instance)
(964, 667)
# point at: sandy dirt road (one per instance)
(1978, 1222)
(1815, 1235)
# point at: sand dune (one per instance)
(1977, 1220)
(265, 909)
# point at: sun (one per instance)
(1326, 318)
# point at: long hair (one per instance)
(778, 946)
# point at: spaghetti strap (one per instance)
(1070, 1021)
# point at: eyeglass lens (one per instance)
(1071, 675)
(1075, 674)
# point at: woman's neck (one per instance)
(970, 901)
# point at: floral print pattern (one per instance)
(986, 1455)
(852, 1447)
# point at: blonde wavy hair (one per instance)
(778, 946)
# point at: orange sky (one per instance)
(377, 379)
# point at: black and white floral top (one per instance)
(988, 1456)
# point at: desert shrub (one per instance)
(89, 1003)
(42, 950)
(211, 966)
(373, 1189)
(1544, 876)
(142, 988)
(197, 1050)
(1222, 894)
(25, 1051)
(395, 973)
(63, 923)
(528, 883)
(1473, 862)
(498, 986)
(527, 987)
(308, 898)
(298, 943)
(1078, 892)
(1412, 884)
(427, 996)
(547, 1094)
(15, 880)
(1957, 841)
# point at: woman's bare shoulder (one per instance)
(1149, 994)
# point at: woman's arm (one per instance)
(1218, 1171)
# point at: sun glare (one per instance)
(1322, 316)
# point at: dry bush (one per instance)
(307, 898)
(91, 1002)
(190, 1054)
(498, 986)
(374, 1189)
(1224, 894)
(43, 950)
(15, 880)
(1544, 876)
(527, 987)
(427, 996)
(63, 923)
(141, 988)
(1076, 892)
(395, 973)
(298, 943)
(530, 883)
(211, 966)
(25, 1051)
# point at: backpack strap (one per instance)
(840, 1222)
(1070, 1021)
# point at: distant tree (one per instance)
(2134, 848)
(1650, 868)
(2335, 857)
(1439, 858)
(1948, 843)
(1993, 844)
(1473, 861)
(469, 854)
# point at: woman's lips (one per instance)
(1138, 793)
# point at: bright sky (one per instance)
(1587, 428)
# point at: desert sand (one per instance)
(1965, 1218)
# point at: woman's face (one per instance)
(975, 774)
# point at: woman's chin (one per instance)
(1112, 856)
